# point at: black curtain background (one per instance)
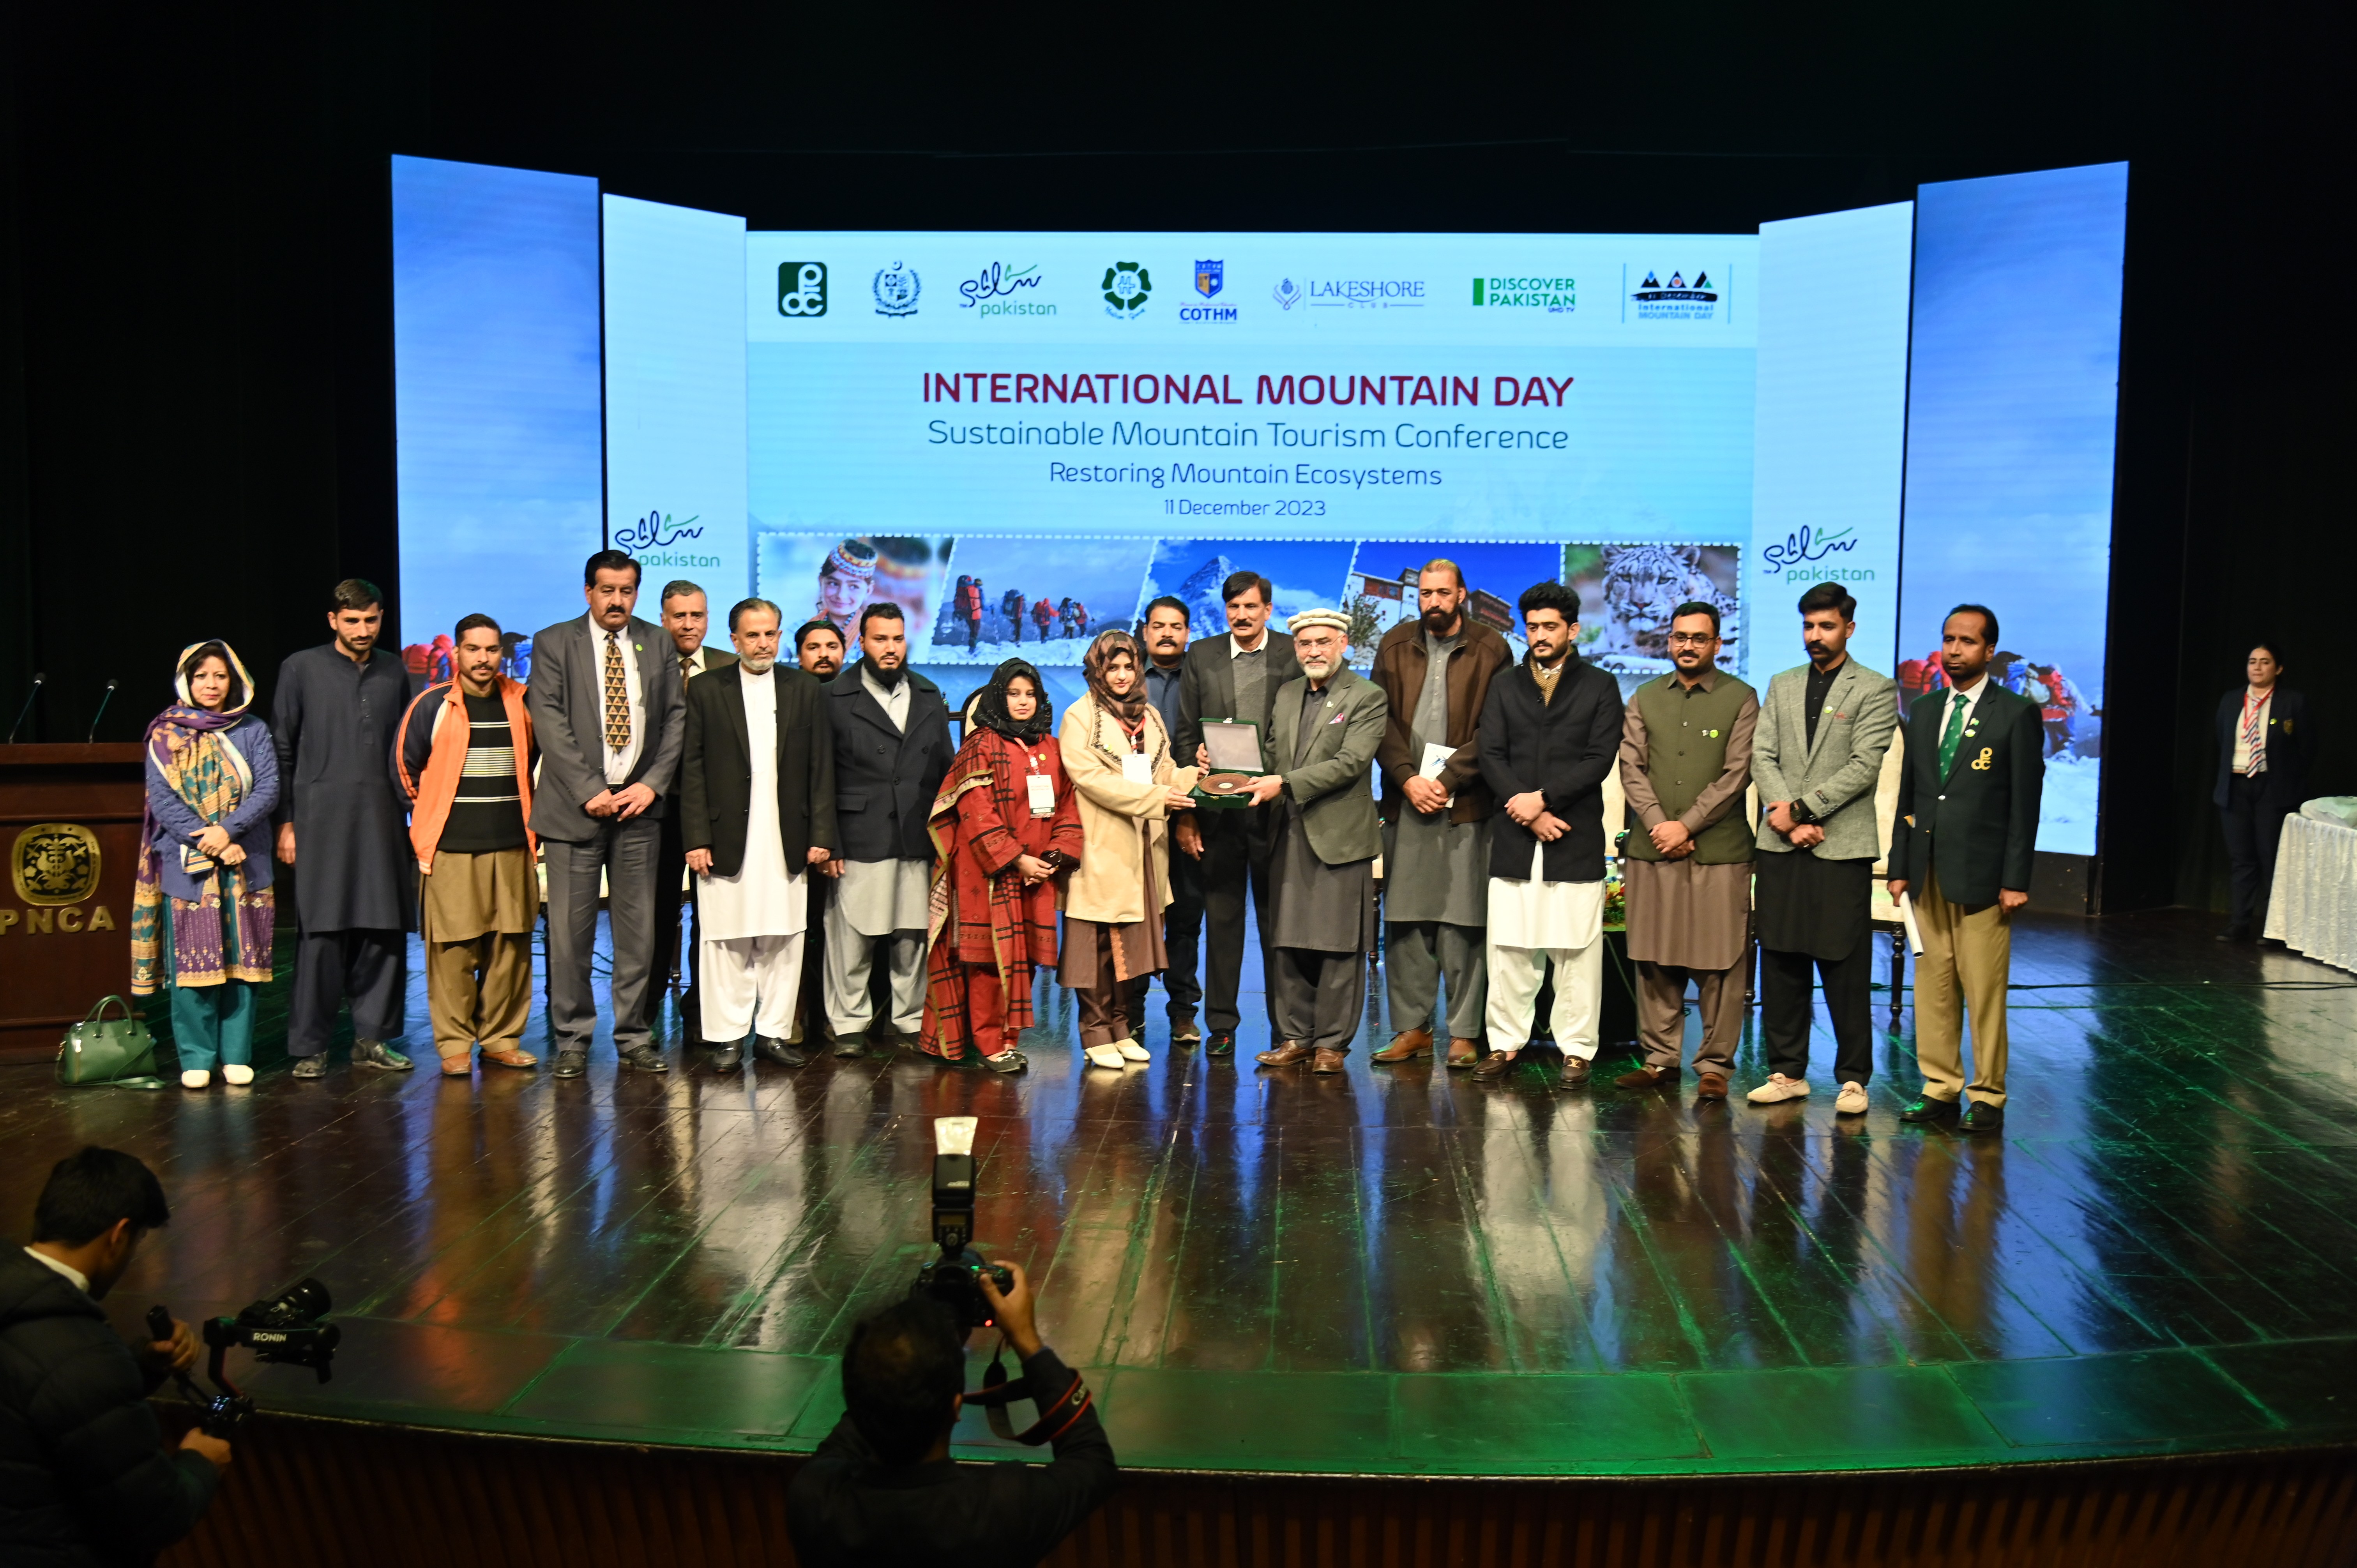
(196, 430)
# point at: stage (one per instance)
(1397, 1273)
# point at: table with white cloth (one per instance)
(2313, 909)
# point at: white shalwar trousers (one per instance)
(748, 985)
(1515, 975)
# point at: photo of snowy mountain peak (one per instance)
(1302, 575)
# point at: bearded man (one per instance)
(1325, 724)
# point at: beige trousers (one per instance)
(479, 990)
(1967, 959)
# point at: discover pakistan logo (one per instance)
(896, 290)
(1125, 287)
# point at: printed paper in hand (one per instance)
(1435, 758)
(1907, 917)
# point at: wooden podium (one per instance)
(70, 820)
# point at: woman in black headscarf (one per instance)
(1003, 824)
(1130, 787)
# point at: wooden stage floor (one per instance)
(1396, 1271)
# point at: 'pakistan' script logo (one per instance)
(1125, 287)
(55, 862)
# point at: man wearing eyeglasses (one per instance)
(1686, 761)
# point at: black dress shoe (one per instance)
(1929, 1108)
(851, 1045)
(1575, 1073)
(1220, 1043)
(571, 1064)
(646, 1059)
(2235, 934)
(727, 1057)
(772, 1048)
(311, 1066)
(1983, 1117)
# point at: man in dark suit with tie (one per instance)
(608, 716)
(687, 617)
(1963, 843)
(1233, 676)
(2265, 744)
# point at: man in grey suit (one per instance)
(1233, 676)
(608, 712)
(1816, 757)
(1326, 724)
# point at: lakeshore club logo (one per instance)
(1364, 294)
(896, 288)
(1002, 289)
(1126, 286)
(1208, 276)
(1555, 295)
(1287, 294)
(1676, 300)
(801, 289)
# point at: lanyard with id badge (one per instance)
(1042, 789)
(1137, 766)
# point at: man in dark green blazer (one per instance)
(1963, 843)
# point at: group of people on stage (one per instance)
(857, 874)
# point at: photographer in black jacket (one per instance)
(882, 1488)
(84, 1476)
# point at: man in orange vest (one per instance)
(464, 758)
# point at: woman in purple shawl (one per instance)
(202, 912)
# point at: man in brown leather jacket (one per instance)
(1435, 671)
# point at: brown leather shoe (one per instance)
(509, 1056)
(1575, 1073)
(1463, 1052)
(1497, 1064)
(1287, 1054)
(1407, 1045)
(1329, 1060)
(1648, 1077)
(1712, 1087)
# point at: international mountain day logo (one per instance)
(1126, 286)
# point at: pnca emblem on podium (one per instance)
(54, 863)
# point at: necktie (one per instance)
(686, 669)
(2255, 740)
(1953, 733)
(617, 699)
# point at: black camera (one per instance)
(290, 1328)
(949, 1278)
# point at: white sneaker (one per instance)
(1779, 1089)
(1131, 1051)
(1851, 1100)
(1105, 1056)
(195, 1077)
(237, 1074)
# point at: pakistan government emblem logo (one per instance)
(896, 290)
(1125, 287)
(55, 862)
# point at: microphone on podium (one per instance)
(92, 736)
(38, 681)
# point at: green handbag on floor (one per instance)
(101, 1051)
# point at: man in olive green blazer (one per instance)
(1324, 727)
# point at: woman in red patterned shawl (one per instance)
(1003, 825)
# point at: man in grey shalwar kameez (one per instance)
(1327, 722)
(1434, 671)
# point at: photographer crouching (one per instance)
(882, 1488)
(84, 1476)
